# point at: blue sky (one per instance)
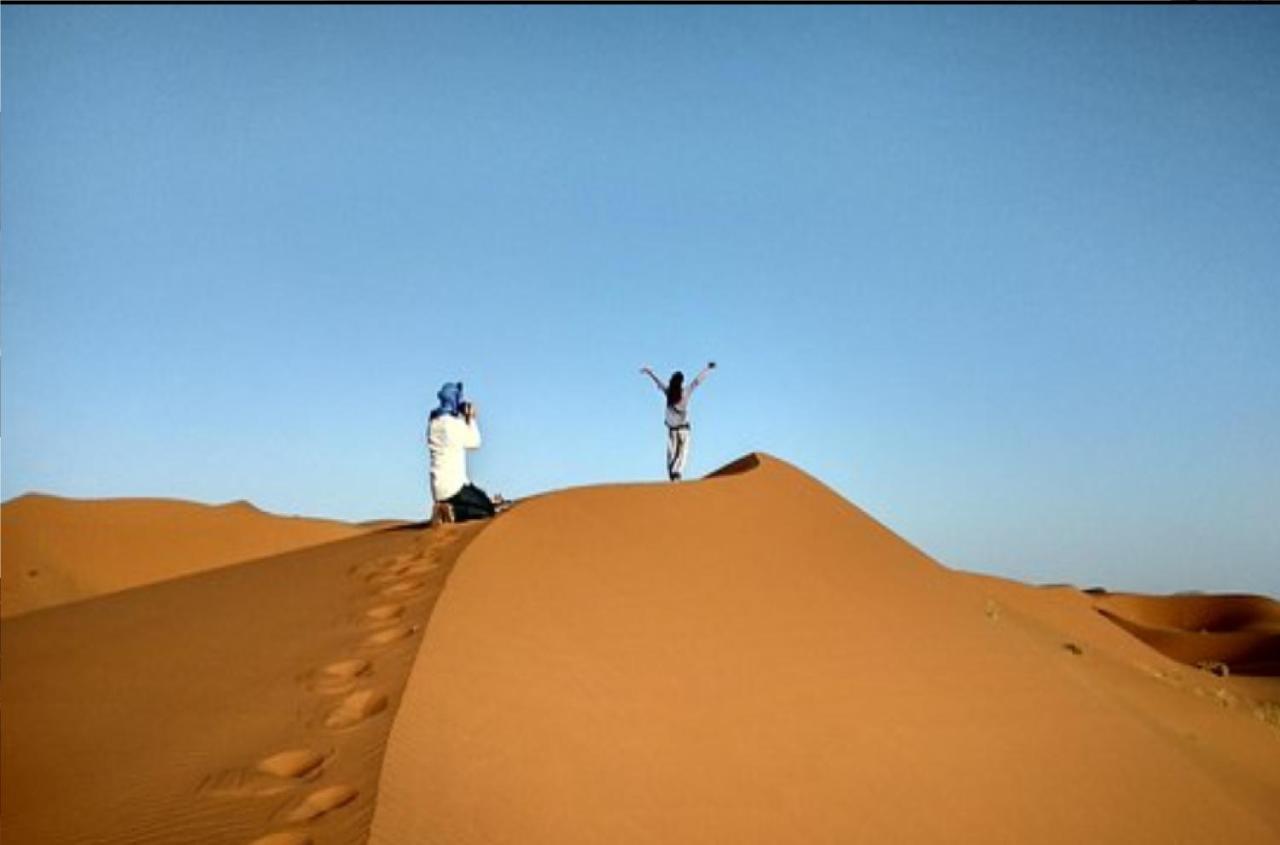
(1004, 277)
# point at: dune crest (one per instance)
(59, 550)
(742, 465)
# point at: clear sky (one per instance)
(1004, 277)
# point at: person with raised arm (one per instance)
(677, 416)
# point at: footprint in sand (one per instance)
(402, 558)
(356, 708)
(297, 763)
(269, 776)
(382, 579)
(288, 837)
(389, 635)
(340, 676)
(397, 573)
(322, 801)
(383, 614)
(403, 589)
(419, 568)
(365, 568)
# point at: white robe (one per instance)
(448, 438)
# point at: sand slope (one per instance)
(750, 658)
(248, 701)
(747, 658)
(59, 550)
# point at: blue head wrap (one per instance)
(450, 397)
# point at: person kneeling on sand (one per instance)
(451, 431)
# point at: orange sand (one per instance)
(62, 550)
(1242, 632)
(752, 659)
(747, 658)
(239, 703)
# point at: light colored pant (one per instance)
(677, 451)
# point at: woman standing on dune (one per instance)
(677, 418)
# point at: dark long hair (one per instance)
(675, 388)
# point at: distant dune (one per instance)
(1233, 633)
(748, 658)
(58, 550)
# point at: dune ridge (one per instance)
(59, 550)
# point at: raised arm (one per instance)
(697, 380)
(470, 434)
(662, 388)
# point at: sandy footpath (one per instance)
(243, 702)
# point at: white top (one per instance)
(678, 414)
(448, 438)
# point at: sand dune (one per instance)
(60, 550)
(747, 658)
(245, 702)
(1196, 613)
(1240, 634)
(752, 659)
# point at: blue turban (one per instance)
(450, 397)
